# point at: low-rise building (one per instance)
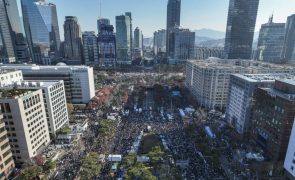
(25, 121)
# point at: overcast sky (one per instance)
(150, 15)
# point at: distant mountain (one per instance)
(211, 43)
(210, 33)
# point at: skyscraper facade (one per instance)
(123, 39)
(288, 53)
(73, 39)
(159, 41)
(131, 31)
(270, 42)
(181, 45)
(8, 51)
(173, 18)
(107, 46)
(101, 21)
(138, 40)
(240, 28)
(90, 49)
(41, 27)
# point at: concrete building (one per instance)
(173, 19)
(289, 163)
(160, 42)
(26, 124)
(90, 48)
(288, 53)
(42, 30)
(181, 45)
(6, 163)
(241, 97)
(273, 118)
(208, 80)
(138, 43)
(54, 98)
(271, 41)
(78, 80)
(205, 53)
(102, 21)
(123, 39)
(240, 28)
(8, 77)
(73, 39)
(107, 46)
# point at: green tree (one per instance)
(129, 160)
(70, 108)
(139, 171)
(64, 130)
(155, 155)
(49, 165)
(90, 167)
(31, 172)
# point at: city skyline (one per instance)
(199, 12)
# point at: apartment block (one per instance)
(6, 160)
(25, 121)
(8, 77)
(273, 118)
(208, 80)
(289, 164)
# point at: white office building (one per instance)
(208, 80)
(8, 77)
(26, 124)
(78, 80)
(55, 102)
(289, 164)
(241, 97)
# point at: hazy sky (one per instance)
(150, 15)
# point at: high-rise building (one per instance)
(101, 21)
(241, 97)
(181, 45)
(90, 48)
(42, 31)
(273, 118)
(208, 80)
(289, 164)
(138, 40)
(173, 19)
(107, 46)
(288, 53)
(25, 121)
(78, 80)
(131, 32)
(160, 41)
(270, 41)
(8, 51)
(123, 39)
(240, 28)
(6, 163)
(73, 39)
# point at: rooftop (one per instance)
(13, 92)
(265, 77)
(34, 67)
(216, 63)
